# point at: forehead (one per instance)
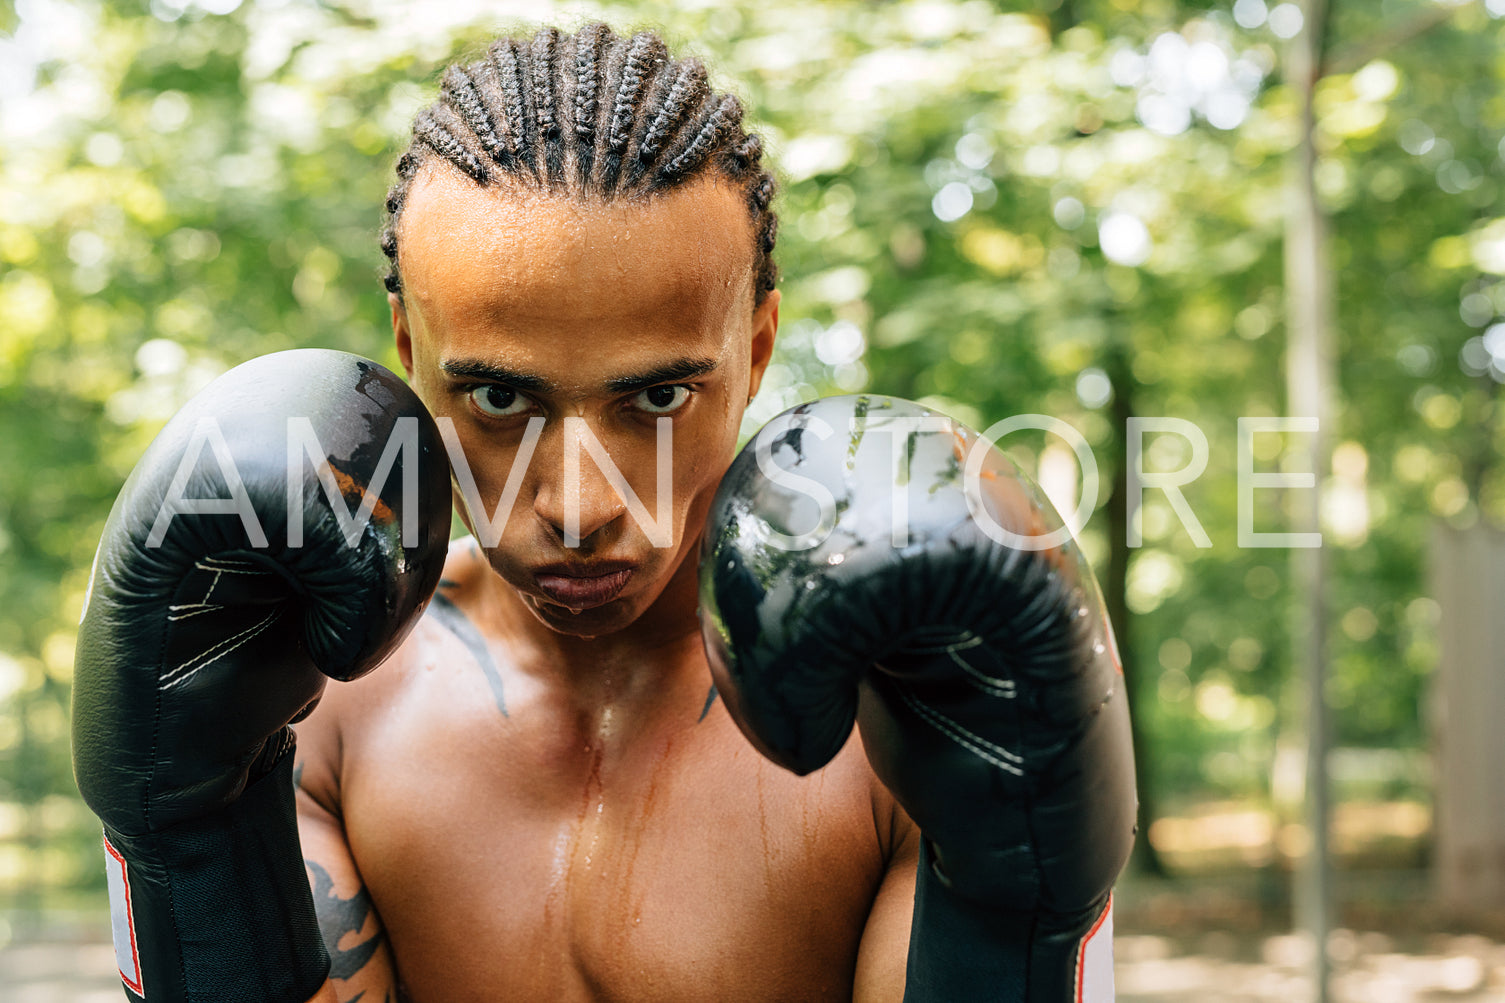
(511, 256)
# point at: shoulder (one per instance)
(349, 711)
(465, 568)
(894, 833)
(897, 834)
(456, 614)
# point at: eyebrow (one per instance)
(675, 371)
(670, 372)
(476, 369)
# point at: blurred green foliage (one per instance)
(1073, 209)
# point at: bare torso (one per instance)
(519, 843)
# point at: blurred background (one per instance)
(1089, 209)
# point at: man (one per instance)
(539, 794)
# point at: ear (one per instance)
(402, 333)
(765, 326)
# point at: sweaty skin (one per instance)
(539, 796)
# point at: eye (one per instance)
(662, 399)
(498, 401)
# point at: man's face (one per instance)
(600, 319)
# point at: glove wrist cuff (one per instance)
(219, 908)
(964, 948)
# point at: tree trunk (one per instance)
(1310, 309)
(1139, 687)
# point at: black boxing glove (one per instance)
(868, 559)
(223, 596)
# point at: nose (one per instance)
(575, 498)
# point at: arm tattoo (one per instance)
(339, 917)
(453, 619)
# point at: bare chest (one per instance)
(509, 864)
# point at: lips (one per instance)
(583, 586)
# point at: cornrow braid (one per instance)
(596, 115)
(460, 91)
(689, 89)
(407, 168)
(505, 63)
(727, 115)
(588, 58)
(434, 126)
(628, 105)
(546, 105)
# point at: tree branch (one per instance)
(1352, 57)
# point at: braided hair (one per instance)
(590, 114)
